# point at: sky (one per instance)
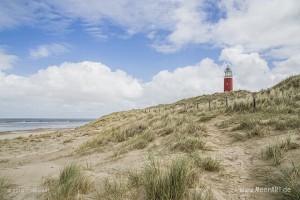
(73, 59)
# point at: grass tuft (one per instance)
(201, 194)
(289, 178)
(111, 190)
(276, 151)
(167, 184)
(70, 185)
(5, 185)
(131, 130)
(141, 141)
(188, 144)
(155, 182)
(207, 163)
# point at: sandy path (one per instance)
(239, 159)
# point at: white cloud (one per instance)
(259, 25)
(6, 60)
(250, 70)
(47, 50)
(189, 27)
(287, 67)
(90, 89)
(86, 87)
(166, 86)
(284, 52)
(256, 25)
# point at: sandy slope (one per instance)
(27, 160)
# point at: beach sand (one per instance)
(27, 157)
(15, 134)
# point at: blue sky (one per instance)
(73, 59)
(133, 54)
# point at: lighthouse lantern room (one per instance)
(228, 83)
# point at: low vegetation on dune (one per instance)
(287, 178)
(206, 163)
(276, 151)
(181, 129)
(71, 184)
(201, 148)
(5, 186)
(138, 133)
(187, 144)
(176, 180)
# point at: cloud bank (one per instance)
(248, 32)
(91, 89)
(171, 25)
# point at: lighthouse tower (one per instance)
(228, 83)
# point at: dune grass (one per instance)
(187, 144)
(275, 152)
(5, 185)
(287, 122)
(70, 185)
(288, 178)
(206, 118)
(257, 131)
(200, 194)
(126, 132)
(246, 124)
(206, 163)
(167, 184)
(141, 141)
(157, 181)
(112, 190)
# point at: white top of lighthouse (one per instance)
(228, 72)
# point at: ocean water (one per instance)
(31, 124)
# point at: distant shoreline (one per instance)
(25, 133)
(23, 125)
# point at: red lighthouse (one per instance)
(228, 84)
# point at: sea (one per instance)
(24, 124)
